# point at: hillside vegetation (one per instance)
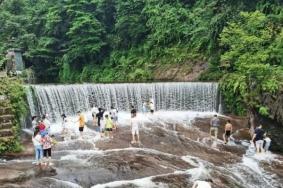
(71, 41)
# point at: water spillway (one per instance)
(68, 99)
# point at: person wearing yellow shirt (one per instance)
(81, 123)
(108, 126)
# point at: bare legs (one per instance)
(134, 140)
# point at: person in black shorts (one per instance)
(228, 131)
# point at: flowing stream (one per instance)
(175, 149)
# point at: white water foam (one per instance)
(183, 117)
(142, 182)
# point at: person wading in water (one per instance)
(228, 131)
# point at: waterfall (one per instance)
(68, 99)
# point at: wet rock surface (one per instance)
(170, 154)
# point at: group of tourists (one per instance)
(260, 138)
(148, 106)
(214, 126)
(42, 140)
(106, 121)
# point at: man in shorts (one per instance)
(258, 139)
(135, 128)
(228, 131)
(81, 123)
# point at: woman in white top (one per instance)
(36, 140)
(46, 122)
(135, 128)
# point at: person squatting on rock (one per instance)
(151, 106)
(267, 142)
(227, 131)
(258, 139)
(214, 125)
(135, 128)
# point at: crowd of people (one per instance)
(107, 122)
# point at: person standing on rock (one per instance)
(94, 111)
(46, 145)
(258, 139)
(135, 128)
(46, 122)
(227, 131)
(34, 122)
(114, 117)
(214, 125)
(144, 107)
(81, 121)
(64, 122)
(36, 140)
(108, 126)
(99, 116)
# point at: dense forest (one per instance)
(71, 41)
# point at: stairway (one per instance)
(6, 123)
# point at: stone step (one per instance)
(6, 125)
(6, 132)
(5, 110)
(6, 118)
(7, 138)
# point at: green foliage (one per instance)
(263, 111)
(15, 93)
(250, 63)
(124, 41)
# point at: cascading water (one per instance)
(58, 99)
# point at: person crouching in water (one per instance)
(135, 128)
(46, 145)
(108, 126)
(267, 142)
(228, 131)
(36, 140)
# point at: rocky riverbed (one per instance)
(172, 154)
